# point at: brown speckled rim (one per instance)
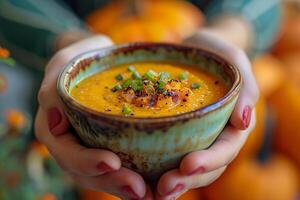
(100, 53)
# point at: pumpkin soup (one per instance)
(149, 89)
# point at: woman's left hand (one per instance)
(201, 168)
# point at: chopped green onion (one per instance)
(137, 85)
(131, 68)
(116, 88)
(149, 75)
(127, 83)
(119, 77)
(126, 110)
(163, 76)
(183, 76)
(195, 86)
(161, 86)
(150, 89)
(136, 75)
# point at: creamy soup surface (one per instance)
(149, 89)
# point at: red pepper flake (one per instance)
(175, 98)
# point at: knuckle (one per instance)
(106, 40)
(237, 54)
(38, 128)
(42, 94)
(63, 56)
(82, 168)
(37, 132)
(232, 152)
(63, 164)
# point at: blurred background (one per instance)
(267, 168)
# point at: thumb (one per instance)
(47, 97)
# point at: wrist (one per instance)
(69, 37)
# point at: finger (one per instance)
(220, 154)
(123, 183)
(47, 96)
(249, 93)
(173, 184)
(73, 157)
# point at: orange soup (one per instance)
(149, 89)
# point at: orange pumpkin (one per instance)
(289, 40)
(291, 63)
(269, 73)
(148, 20)
(191, 195)
(94, 195)
(134, 30)
(287, 109)
(251, 180)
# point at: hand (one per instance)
(201, 168)
(90, 168)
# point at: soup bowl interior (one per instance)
(149, 145)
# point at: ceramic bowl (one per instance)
(149, 146)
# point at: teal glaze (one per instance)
(150, 146)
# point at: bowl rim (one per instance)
(66, 98)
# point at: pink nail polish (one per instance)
(127, 190)
(103, 167)
(247, 116)
(54, 118)
(176, 189)
(199, 170)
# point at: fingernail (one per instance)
(199, 170)
(54, 118)
(176, 189)
(247, 116)
(129, 192)
(103, 167)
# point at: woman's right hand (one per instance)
(91, 168)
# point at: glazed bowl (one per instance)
(153, 145)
